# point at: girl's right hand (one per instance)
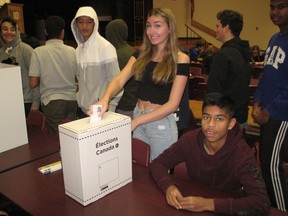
(103, 103)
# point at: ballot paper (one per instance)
(96, 110)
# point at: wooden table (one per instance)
(39, 145)
(44, 194)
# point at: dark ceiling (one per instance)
(35, 10)
(38, 10)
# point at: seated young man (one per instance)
(216, 156)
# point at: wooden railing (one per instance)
(199, 26)
(203, 28)
(190, 33)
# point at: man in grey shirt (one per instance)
(53, 67)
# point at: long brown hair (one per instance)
(168, 66)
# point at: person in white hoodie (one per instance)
(97, 62)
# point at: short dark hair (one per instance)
(221, 101)
(232, 18)
(200, 43)
(54, 25)
(10, 20)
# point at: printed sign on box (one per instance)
(96, 157)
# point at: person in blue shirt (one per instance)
(194, 52)
(270, 108)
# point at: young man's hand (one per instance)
(190, 203)
(260, 116)
(173, 194)
(197, 204)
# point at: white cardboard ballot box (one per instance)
(12, 114)
(96, 157)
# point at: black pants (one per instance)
(272, 150)
(58, 110)
(81, 114)
(27, 107)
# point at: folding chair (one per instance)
(195, 71)
(193, 84)
(36, 118)
(140, 152)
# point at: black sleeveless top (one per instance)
(157, 93)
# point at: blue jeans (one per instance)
(158, 134)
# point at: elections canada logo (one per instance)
(107, 145)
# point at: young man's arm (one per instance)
(159, 171)
(246, 172)
(34, 81)
(253, 199)
(259, 114)
(169, 159)
(197, 204)
(159, 167)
